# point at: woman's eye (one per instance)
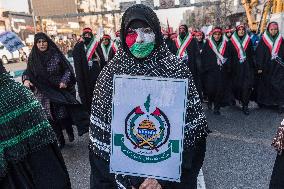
(130, 31)
(148, 30)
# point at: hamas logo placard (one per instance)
(147, 126)
(147, 131)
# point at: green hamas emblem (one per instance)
(148, 132)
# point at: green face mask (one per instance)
(142, 50)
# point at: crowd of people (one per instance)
(221, 68)
(229, 67)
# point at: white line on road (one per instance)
(200, 181)
(251, 140)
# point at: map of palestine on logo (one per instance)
(147, 126)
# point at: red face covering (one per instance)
(131, 38)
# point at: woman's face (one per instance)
(241, 32)
(229, 34)
(217, 36)
(42, 45)
(105, 41)
(199, 37)
(273, 31)
(140, 39)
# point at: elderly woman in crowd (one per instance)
(50, 76)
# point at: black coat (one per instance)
(242, 73)
(192, 52)
(170, 44)
(217, 80)
(86, 76)
(110, 55)
(270, 85)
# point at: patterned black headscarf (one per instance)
(37, 60)
(160, 63)
(142, 13)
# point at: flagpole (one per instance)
(33, 15)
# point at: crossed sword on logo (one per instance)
(146, 141)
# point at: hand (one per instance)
(28, 84)
(278, 141)
(150, 184)
(62, 86)
(259, 71)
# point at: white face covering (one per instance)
(140, 41)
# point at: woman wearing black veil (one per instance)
(51, 78)
(270, 68)
(144, 53)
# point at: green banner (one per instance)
(173, 148)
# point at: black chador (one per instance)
(107, 49)
(242, 66)
(200, 43)
(269, 61)
(185, 49)
(88, 66)
(216, 71)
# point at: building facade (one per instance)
(103, 23)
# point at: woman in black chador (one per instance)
(88, 65)
(185, 48)
(242, 66)
(29, 155)
(50, 76)
(270, 68)
(200, 39)
(140, 28)
(216, 71)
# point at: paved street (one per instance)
(238, 156)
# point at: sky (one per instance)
(173, 15)
(15, 5)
